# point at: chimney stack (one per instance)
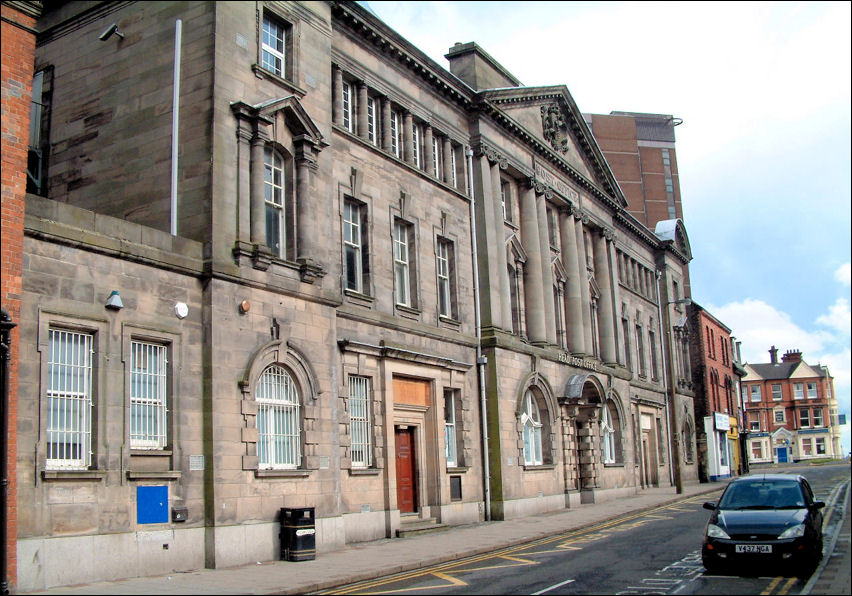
(773, 355)
(792, 356)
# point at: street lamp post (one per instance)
(669, 382)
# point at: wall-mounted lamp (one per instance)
(114, 301)
(108, 32)
(245, 306)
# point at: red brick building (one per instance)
(790, 408)
(717, 409)
(18, 51)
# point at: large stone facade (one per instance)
(310, 284)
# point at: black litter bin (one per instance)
(298, 534)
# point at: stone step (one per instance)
(419, 526)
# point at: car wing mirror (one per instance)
(711, 505)
(818, 504)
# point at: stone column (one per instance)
(408, 138)
(244, 149)
(386, 124)
(533, 283)
(448, 161)
(258, 203)
(546, 269)
(488, 247)
(604, 279)
(585, 297)
(502, 265)
(612, 255)
(430, 150)
(573, 300)
(338, 95)
(363, 124)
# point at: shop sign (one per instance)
(566, 358)
(723, 422)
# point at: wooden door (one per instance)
(406, 468)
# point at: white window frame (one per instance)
(779, 419)
(819, 420)
(798, 391)
(759, 446)
(418, 150)
(273, 192)
(453, 166)
(69, 400)
(779, 395)
(607, 436)
(360, 422)
(820, 445)
(436, 156)
(396, 133)
(805, 418)
(531, 422)
(148, 395)
(372, 121)
(348, 101)
(811, 390)
(755, 390)
(401, 264)
(352, 246)
(450, 437)
(279, 425)
(445, 295)
(807, 446)
(272, 58)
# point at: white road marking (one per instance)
(553, 587)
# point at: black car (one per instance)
(764, 519)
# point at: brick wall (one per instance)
(18, 51)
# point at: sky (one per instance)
(763, 152)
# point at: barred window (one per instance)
(360, 449)
(278, 420)
(69, 400)
(148, 428)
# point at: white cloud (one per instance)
(838, 317)
(843, 274)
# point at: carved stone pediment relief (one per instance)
(555, 128)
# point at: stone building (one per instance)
(791, 410)
(271, 297)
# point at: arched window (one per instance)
(608, 437)
(531, 422)
(273, 191)
(610, 433)
(278, 420)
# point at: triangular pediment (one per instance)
(550, 115)
(803, 371)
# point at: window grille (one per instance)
(273, 186)
(148, 429)
(359, 422)
(69, 400)
(272, 47)
(278, 421)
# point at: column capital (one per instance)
(491, 154)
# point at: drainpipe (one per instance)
(480, 359)
(6, 326)
(175, 118)
(665, 381)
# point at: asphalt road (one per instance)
(655, 552)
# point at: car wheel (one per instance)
(710, 565)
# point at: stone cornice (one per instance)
(372, 30)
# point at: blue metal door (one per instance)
(782, 455)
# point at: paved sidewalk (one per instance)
(834, 575)
(370, 560)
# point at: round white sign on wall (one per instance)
(181, 310)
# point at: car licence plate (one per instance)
(754, 548)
